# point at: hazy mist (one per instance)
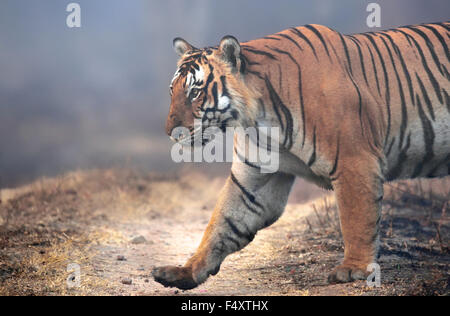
(97, 96)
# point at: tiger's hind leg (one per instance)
(249, 201)
(359, 192)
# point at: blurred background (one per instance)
(97, 96)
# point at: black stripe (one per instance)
(249, 236)
(233, 240)
(252, 63)
(315, 31)
(244, 160)
(291, 39)
(407, 36)
(249, 207)
(405, 69)
(374, 131)
(337, 55)
(379, 199)
(205, 88)
(444, 25)
(256, 73)
(336, 158)
(359, 102)
(426, 97)
(224, 123)
(225, 93)
(271, 38)
(396, 171)
(275, 100)
(447, 74)
(243, 66)
(429, 45)
(390, 147)
(346, 53)
(278, 105)
(249, 196)
(440, 38)
(302, 106)
(263, 106)
(374, 69)
(386, 82)
(433, 80)
(303, 37)
(361, 58)
(404, 122)
(428, 138)
(220, 247)
(312, 159)
(280, 77)
(259, 52)
(215, 96)
(447, 100)
(300, 90)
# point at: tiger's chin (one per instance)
(193, 143)
(194, 140)
(200, 139)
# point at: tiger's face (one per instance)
(205, 89)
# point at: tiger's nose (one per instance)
(178, 134)
(171, 124)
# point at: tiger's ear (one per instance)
(230, 50)
(181, 46)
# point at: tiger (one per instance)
(354, 111)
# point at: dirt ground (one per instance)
(118, 224)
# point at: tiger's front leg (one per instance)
(249, 202)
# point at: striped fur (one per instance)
(354, 111)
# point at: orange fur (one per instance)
(354, 110)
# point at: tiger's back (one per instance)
(396, 83)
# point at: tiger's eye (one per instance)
(195, 93)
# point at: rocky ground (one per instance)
(118, 224)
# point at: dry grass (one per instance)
(51, 223)
(429, 197)
(54, 222)
(44, 272)
(414, 238)
(432, 195)
(326, 216)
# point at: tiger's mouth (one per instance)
(202, 132)
(196, 137)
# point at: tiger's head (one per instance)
(208, 88)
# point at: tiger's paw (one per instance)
(170, 276)
(345, 274)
